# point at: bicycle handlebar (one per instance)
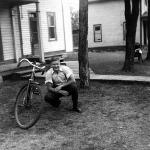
(31, 63)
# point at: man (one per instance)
(138, 52)
(60, 82)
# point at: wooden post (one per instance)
(13, 13)
(20, 30)
(39, 32)
(84, 72)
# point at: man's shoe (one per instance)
(77, 110)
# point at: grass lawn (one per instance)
(112, 63)
(114, 117)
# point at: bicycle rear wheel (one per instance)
(28, 106)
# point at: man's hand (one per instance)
(63, 92)
(58, 88)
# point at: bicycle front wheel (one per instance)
(28, 106)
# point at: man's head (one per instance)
(55, 63)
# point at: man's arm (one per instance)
(70, 80)
(50, 87)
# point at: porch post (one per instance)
(41, 50)
(20, 30)
(14, 35)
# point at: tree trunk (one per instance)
(148, 54)
(83, 44)
(131, 16)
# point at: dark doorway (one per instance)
(34, 33)
(1, 47)
(145, 29)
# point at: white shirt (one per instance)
(138, 50)
(58, 78)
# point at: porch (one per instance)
(12, 3)
(8, 70)
(12, 45)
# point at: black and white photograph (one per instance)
(74, 74)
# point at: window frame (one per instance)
(94, 26)
(124, 31)
(53, 26)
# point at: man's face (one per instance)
(55, 65)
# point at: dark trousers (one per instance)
(53, 98)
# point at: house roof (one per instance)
(17, 2)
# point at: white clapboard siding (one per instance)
(63, 27)
(17, 35)
(26, 28)
(67, 25)
(45, 6)
(52, 6)
(110, 14)
(6, 33)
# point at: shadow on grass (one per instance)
(114, 116)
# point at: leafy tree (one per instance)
(131, 16)
(84, 73)
(75, 19)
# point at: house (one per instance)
(34, 27)
(144, 22)
(106, 24)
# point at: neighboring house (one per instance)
(144, 22)
(34, 27)
(106, 24)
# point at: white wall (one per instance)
(138, 30)
(63, 26)
(52, 6)
(25, 9)
(67, 26)
(16, 32)
(144, 6)
(6, 31)
(111, 16)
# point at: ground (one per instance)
(115, 116)
(106, 63)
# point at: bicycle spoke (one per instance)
(28, 106)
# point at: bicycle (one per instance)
(29, 101)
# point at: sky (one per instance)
(74, 4)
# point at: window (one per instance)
(124, 31)
(51, 25)
(97, 33)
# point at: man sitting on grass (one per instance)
(138, 52)
(60, 82)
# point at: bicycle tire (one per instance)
(21, 106)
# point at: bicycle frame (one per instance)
(32, 77)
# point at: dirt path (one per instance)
(115, 117)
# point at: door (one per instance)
(145, 28)
(1, 48)
(34, 33)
